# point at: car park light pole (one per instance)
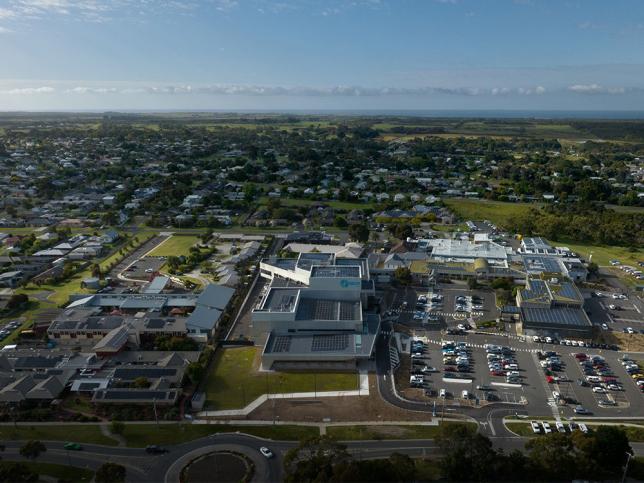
(628, 460)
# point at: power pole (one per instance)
(154, 405)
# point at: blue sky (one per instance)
(331, 54)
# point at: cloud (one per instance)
(20, 91)
(597, 89)
(338, 91)
(295, 91)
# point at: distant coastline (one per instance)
(424, 113)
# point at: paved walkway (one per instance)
(362, 391)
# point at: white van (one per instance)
(465, 394)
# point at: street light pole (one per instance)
(628, 460)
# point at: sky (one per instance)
(321, 54)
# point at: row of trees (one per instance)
(470, 456)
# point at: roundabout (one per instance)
(220, 467)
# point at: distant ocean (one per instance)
(427, 113)
(437, 113)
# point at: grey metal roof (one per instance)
(204, 318)
(131, 373)
(215, 296)
(555, 316)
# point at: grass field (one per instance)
(233, 381)
(352, 433)
(176, 245)
(337, 205)
(603, 254)
(141, 435)
(77, 433)
(495, 211)
(60, 472)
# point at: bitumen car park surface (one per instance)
(534, 388)
(143, 268)
(434, 314)
(618, 314)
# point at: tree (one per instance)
(359, 232)
(401, 231)
(110, 473)
(14, 472)
(195, 372)
(17, 300)
(468, 456)
(313, 459)
(32, 449)
(96, 271)
(402, 275)
(593, 269)
(340, 222)
(554, 456)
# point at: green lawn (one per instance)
(234, 382)
(338, 205)
(60, 472)
(603, 254)
(77, 433)
(176, 245)
(141, 435)
(495, 211)
(352, 433)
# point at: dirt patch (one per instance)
(350, 408)
(626, 342)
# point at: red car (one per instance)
(550, 379)
(450, 369)
(580, 356)
(497, 373)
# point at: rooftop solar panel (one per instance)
(328, 343)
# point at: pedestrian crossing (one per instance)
(482, 346)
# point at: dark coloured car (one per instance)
(154, 449)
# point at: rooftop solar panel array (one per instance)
(568, 290)
(556, 316)
(281, 343)
(149, 372)
(328, 343)
(336, 271)
(314, 309)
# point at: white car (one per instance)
(560, 427)
(604, 326)
(536, 429)
(630, 330)
(583, 428)
(599, 390)
(546, 427)
(267, 453)
(465, 394)
(442, 393)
